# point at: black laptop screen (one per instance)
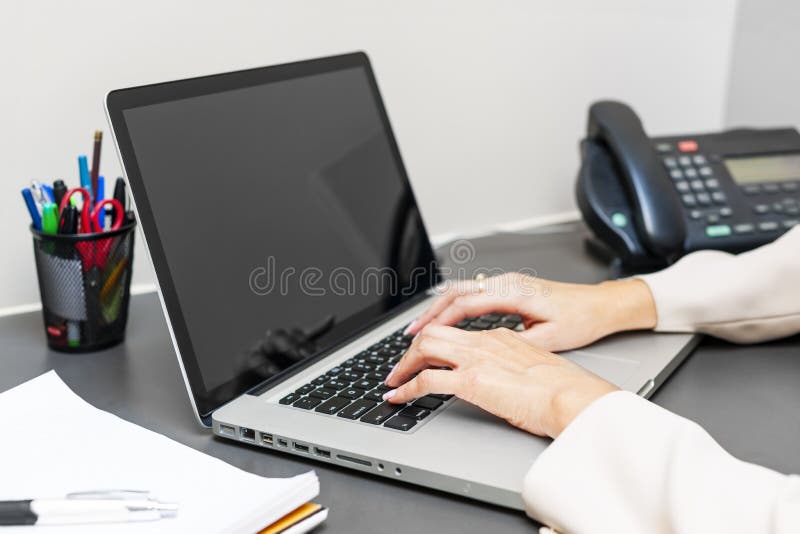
(283, 220)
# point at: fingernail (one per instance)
(389, 394)
(410, 327)
(389, 376)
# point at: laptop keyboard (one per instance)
(354, 389)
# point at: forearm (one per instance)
(753, 296)
(627, 465)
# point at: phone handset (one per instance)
(656, 210)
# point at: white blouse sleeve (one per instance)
(627, 465)
(745, 298)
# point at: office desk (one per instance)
(747, 397)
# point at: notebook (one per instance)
(54, 443)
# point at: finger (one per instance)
(475, 305)
(428, 381)
(543, 336)
(441, 303)
(438, 346)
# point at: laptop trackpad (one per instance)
(615, 370)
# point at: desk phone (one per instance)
(652, 200)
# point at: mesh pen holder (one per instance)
(84, 282)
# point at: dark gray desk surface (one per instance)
(748, 398)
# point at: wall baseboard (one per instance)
(437, 241)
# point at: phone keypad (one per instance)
(700, 192)
(775, 206)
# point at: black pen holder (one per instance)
(84, 282)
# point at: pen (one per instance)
(71, 511)
(119, 194)
(59, 190)
(83, 170)
(68, 224)
(49, 218)
(32, 208)
(98, 141)
(49, 192)
(99, 196)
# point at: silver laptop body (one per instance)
(237, 389)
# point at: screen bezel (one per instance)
(206, 401)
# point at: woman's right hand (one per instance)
(556, 316)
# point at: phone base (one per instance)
(617, 266)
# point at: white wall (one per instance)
(487, 98)
(765, 73)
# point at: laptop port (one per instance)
(358, 461)
(300, 447)
(247, 434)
(227, 430)
(266, 439)
(282, 443)
(322, 452)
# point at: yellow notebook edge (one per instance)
(292, 518)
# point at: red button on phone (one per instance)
(687, 146)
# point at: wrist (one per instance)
(568, 403)
(627, 305)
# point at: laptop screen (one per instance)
(281, 213)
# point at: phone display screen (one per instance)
(756, 169)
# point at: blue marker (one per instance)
(32, 209)
(49, 192)
(101, 193)
(83, 169)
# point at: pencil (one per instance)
(98, 141)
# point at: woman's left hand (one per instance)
(499, 371)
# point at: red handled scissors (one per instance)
(94, 253)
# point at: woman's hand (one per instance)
(500, 372)
(556, 316)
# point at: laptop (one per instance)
(290, 255)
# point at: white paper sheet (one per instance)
(52, 443)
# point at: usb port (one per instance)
(227, 430)
(247, 434)
(300, 447)
(282, 443)
(266, 439)
(322, 452)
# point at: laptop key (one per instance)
(375, 375)
(378, 415)
(336, 384)
(428, 403)
(362, 368)
(385, 368)
(332, 406)
(305, 389)
(365, 384)
(349, 377)
(319, 380)
(376, 395)
(357, 409)
(440, 396)
(335, 371)
(307, 403)
(414, 412)
(322, 393)
(479, 323)
(399, 422)
(290, 398)
(351, 393)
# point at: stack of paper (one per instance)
(54, 443)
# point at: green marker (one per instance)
(49, 218)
